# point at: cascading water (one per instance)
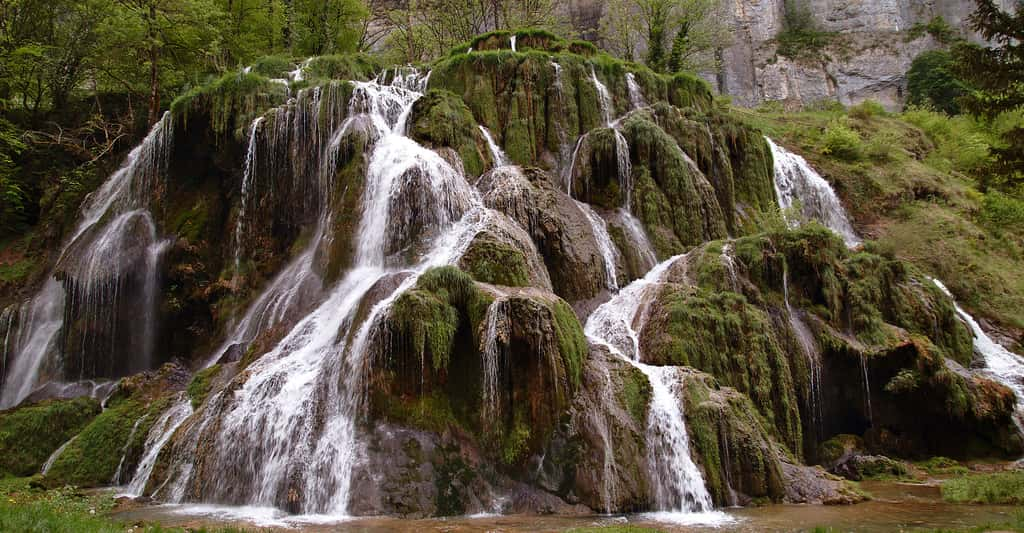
(1002, 364)
(119, 473)
(161, 432)
(512, 42)
(676, 480)
(637, 235)
(247, 179)
(795, 181)
(604, 98)
(500, 159)
(106, 271)
(494, 347)
(636, 94)
(805, 338)
(55, 455)
(729, 262)
(286, 437)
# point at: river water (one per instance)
(895, 507)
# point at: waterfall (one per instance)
(1002, 364)
(119, 472)
(55, 455)
(604, 243)
(512, 42)
(499, 157)
(867, 389)
(287, 436)
(796, 181)
(636, 94)
(604, 98)
(247, 178)
(810, 349)
(494, 347)
(609, 464)
(729, 262)
(677, 482)
(159, 434)
(638, 237)
(95, 279)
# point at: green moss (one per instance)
(191, 223)
(1000, 488)
(92, 458)
(199, 388)
(492, 261)
(725, 336)
(943, 466)
(429, 315)
(441, 119)
(635, 394)
(273, 66)
(344, 67)
(431, 412)
(17, 271)
(572, 343)
(230, 101)
(515, 443)
(28, 435)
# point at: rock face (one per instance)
(875, 42)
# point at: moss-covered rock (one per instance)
(231, 101)
(441, 119)
(433, 363)
(29, 434)
(739, 459)
(556, 224)
(724, 335)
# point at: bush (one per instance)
(930, 82)
(867, 109)
(842, 142)
(1003, 211)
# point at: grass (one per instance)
(998, 488)
(26, 507)
(912, 182)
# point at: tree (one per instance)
(996, 74)
(931, 82)
(695, 29)
(327, 26)
(172, 40)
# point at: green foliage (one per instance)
(516, 443)
(932, 83)
(842, 142)
(441, 119)
(943, 466)
(327, 26)
(905, 381)
(28, 435)
(937, 27)
(344, 67)
(996, 74)
(92, 458)
(867, 110)
(199, 388)
(1002, 488)
(13, 194)
(1003, 212)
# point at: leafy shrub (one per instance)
(931, 82)
(1003, 211)
(842, 142)
(937, 27)
(867, 109)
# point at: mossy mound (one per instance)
(724, 335)
(441, 119)
(673, 198)
(434, 349)
(491, 260)
(740, 460)
(230, 101)
(28, 435)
